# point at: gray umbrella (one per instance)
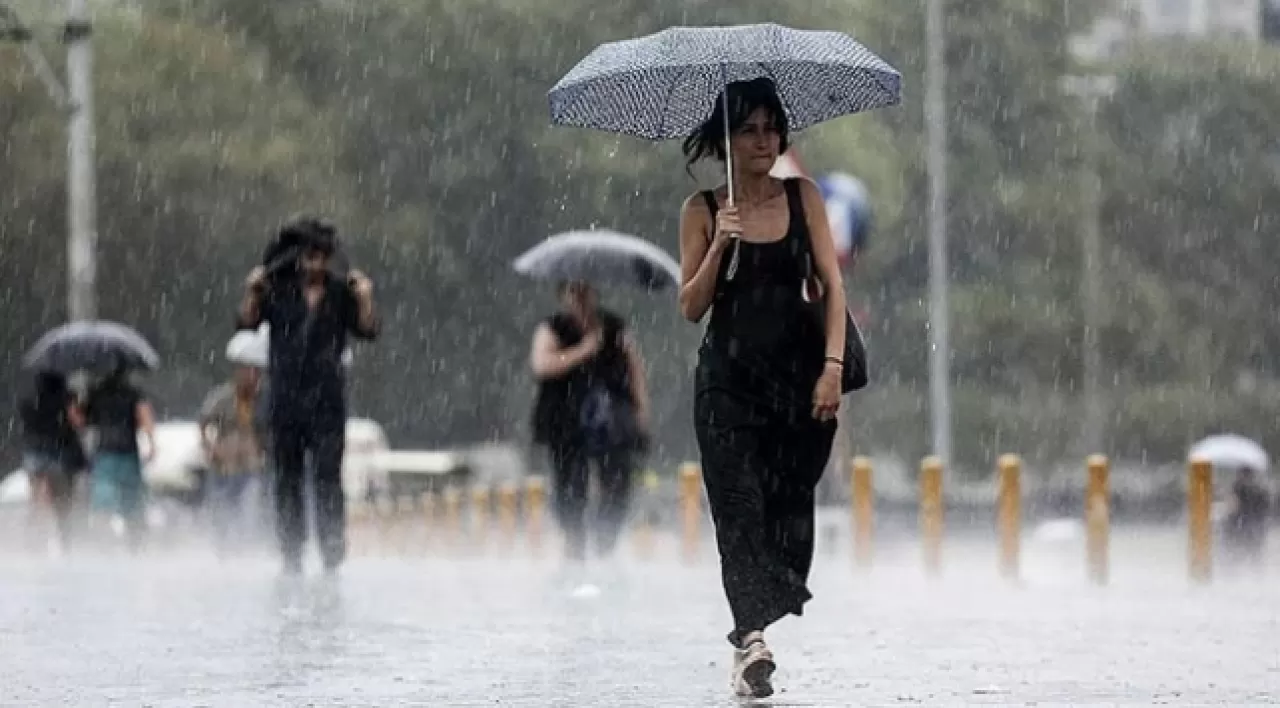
(600, 257)
(91, 345)
(664, 86)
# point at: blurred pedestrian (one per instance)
(117, 411)
(228, 433)
(1246, 525)
(592, 408)
(768, 379)
(53, 456)
(312, 311)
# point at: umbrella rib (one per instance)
(777, 86)
(662, 126)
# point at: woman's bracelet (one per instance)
(835, 360)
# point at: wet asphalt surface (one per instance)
(178, 628)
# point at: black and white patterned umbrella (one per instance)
(600, 257)
(665, 85)
(96, 345)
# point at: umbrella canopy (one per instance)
(600, 257)
(95, 345)
(665, 85)
(1231, 451)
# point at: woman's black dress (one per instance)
(762, 451)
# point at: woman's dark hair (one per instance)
(564, 286)
(298, 236)
(48, 393)
(309, 233)
(744, 98)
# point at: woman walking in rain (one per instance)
(116, 411)
(592, 406)
(229, 436)
(53, 456)
(768, 380)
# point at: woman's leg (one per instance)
(797, 456)
(616, 469)
(758, 584)
(569, 471)
(133, 499)
(61, 483)
(225, 491)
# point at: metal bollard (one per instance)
(1199, 528)
(931, 513)
(384, 520)
(1010, 514)
(480, 501)
(429, 521)
(358, 516)
(863, 511)
(507, 508)
(535, 492)
(690, 508)
(1097, 520)
(452, 516)
(406, 514)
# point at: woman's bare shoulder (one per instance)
(696, 203)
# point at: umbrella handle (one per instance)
(728, 151)
(728, 166)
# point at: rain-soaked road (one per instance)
(180, 630)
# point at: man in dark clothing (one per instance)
(311, 312)
(52, 454)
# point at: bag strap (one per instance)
(795, 205)
(714, 207)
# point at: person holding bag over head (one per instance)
(312, 311)
(772, 366)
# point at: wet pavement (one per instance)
(179, 629)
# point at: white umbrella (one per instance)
(254, 348)
(1231, 451)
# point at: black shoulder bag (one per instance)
(853, 376)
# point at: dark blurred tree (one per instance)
(444, 123)
(1012, 224)
(1191, 213)
(200, 155)
(422, 128)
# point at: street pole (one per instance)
(1091, 283)
(936, 140)
(1091, 90)
(82, 230)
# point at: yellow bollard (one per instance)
(452, 516)
(535, 491)
(1010, 514)
(690, 508)
(931, 513)
(480, 501)
(644, 526)
(863, 511)
(1097, 520)
(507, 515)
(1200, 531)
